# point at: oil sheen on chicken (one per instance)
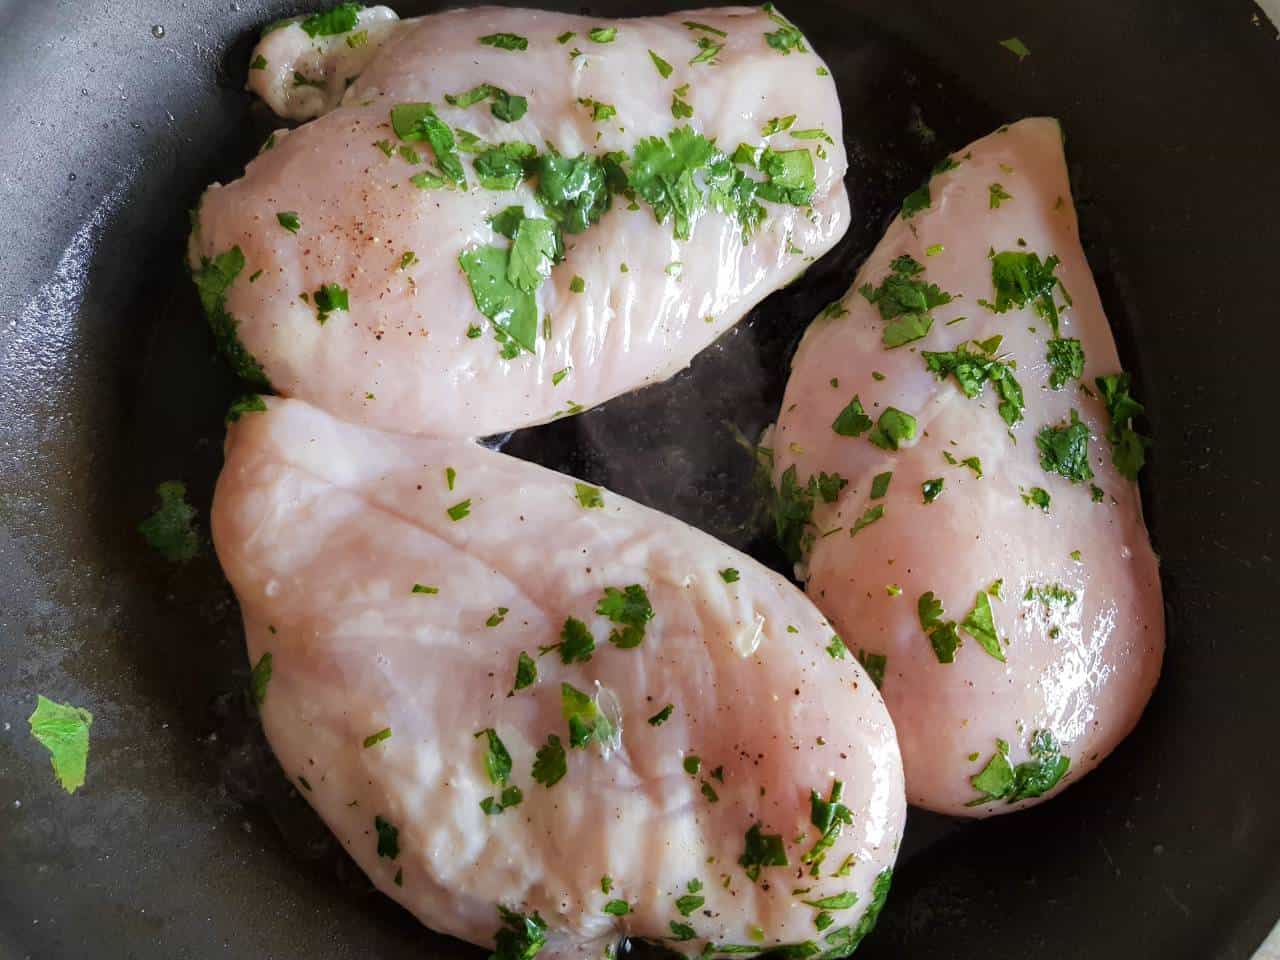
(513, 215)
(1004, 574)
(502, 688)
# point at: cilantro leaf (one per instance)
(249, 403)
(788, 37)
(830, 816)
(505, 41)
(664, 68)
(630, 609)
(869, 516)
(880, 484)
(1064, 450)
(576, 642)
(260, 678)
(662, 716)
(588, 496)
(1037, 497)
(1022, 278)
(761, 850)
(520, 937)
(998, 195)
(791, 506)
(602, 34)
(682, 931)
(373, 739)
(973, 368)
(893, 429)
(932, 489)
(905, 301)
(512, 311)
(505, 106)
(1000, 780)
(341, 19)
(289, 220)
(852, 421)
(662, 173)
(497, 761)
(980, 624)
(550, 764)
(917, 201)
(417, 122)
(941, 633)
(790, 176)
(1128, 447)
(388, 838)
(729, 575)
(586, 722)
(573, 190)
(1066, 362)
(63, 730)
(171, 530)
(1017, 48)
(213, 280)
(874, 664)
(535, 247)
(460, 510)
(844, 941)
(526, 672)
(328, 298)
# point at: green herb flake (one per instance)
(617, 908)
(388, 838)
(520, 937)
(505, 41)
(934, 250)
(423, 588)
(852, 421)
(576, 643)
(497, 761)
(787, 38)
(707, 51)
(577, 285)
(1021, 279)
(586, 722)
(662, 716)
(777, 125)
(600, 112)
(830, 816)
(1016, 47)
(973, 368)
(836, 649)
(874, 664)
(495, 619)
(1000, 780)
(602, 34)
(941, 633)
(689, 902)
(329, 298)
(289, 220)
(729, 575)
(417, 122)
(1066, 362)
(565, 37)
(932, 489)
(1036, 497)
(905, 301)
(338, 20)
(171, 529)
(606, 884)
(373, 739)
(980, 624)
(550, 763)
(63, 730)
(682, 931)
(260, 678)
(841, 901)
(1064, 450)
(880, 484)
(630, 609)
(258, 63)
(1128, 447)
(869, 516)
(998, 195)
(250, 403)
(664, 68)
(894, 428)
(761, 850)
(692, 765)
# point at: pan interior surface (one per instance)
(188, 842)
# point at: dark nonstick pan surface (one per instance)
(188, 842)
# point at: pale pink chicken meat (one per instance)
(391, 620)
(1072, 585)
(405, 346)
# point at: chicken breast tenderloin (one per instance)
(988, 552)
(611, 196)
(533, 710)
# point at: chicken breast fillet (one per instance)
(505, 690)
(1005, 574)
(355, 262)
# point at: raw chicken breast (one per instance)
(332, 273)
(1044, 574)
(391, 587)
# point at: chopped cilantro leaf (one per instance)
(328, 298)
(63, 730)
(787, 37)
(602, 34)
(692, 765)
(588, 496)
(830, 816)
(680, 109)
(1022, 278)
(459, 510)
(880, 484)
(260, 678)
(704, 27)
(576, 642)
(573, 190)
(373, 739)
(662, 716)
(836, 649)
(416, 122)
(509, 797)
(941, 633)
(973, 368)
(998, 195)
(777, 125)
(1128, 447)
(507, 107)
(1000, 780)
(791, 177)
(932, 489)
(586, 722)
(761, 850)
(869, 516)
(512, 311)
(664, 68)
(1066, 362)
(520, 937)
(852, 421)
(841, 901)
(388, 838)
(845, 940)
(1016, 47)
(496, 618)
(577, 285)
(893, 429)
(707, 51)
(980, 624)
(450, 475)
(550, 764)
(258, 63)
(1064, 450)
(1037, 497)
(617, 908)
(250, 403)
(497, 761)
(791, 506)
(535, 247)
(600, 112)
(630, 609)
(814, 133)
(505, 41)
(682, 931)
(423, 588)
(905, 301)
(171, 530)
(341, 19)
(213, 280)
(565, 37)
(729, 575)
(289, 220)
(408, 259)
(917, 201)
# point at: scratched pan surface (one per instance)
(187, 841)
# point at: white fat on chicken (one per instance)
(1064, 565)
(390, 586)
(355, 301)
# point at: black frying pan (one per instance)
(187, 840)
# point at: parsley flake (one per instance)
(1017, 48)
(894, 428)
(1066, 362)
(1128, 447)
(905, 301)
(63, 730)
(550, 763)
(664, 68)
(388, 838)
(662, 716)
(171, 530)
(586, 722)
(373, 739)
(1000, 780)
(852, 421)
(1064, 450)
(341, 19)
(630, 609)
(761, 850)
(998, 195)
(289, 220)
(602, 34)
(932, 489)
(505, 41)
(729, 575)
